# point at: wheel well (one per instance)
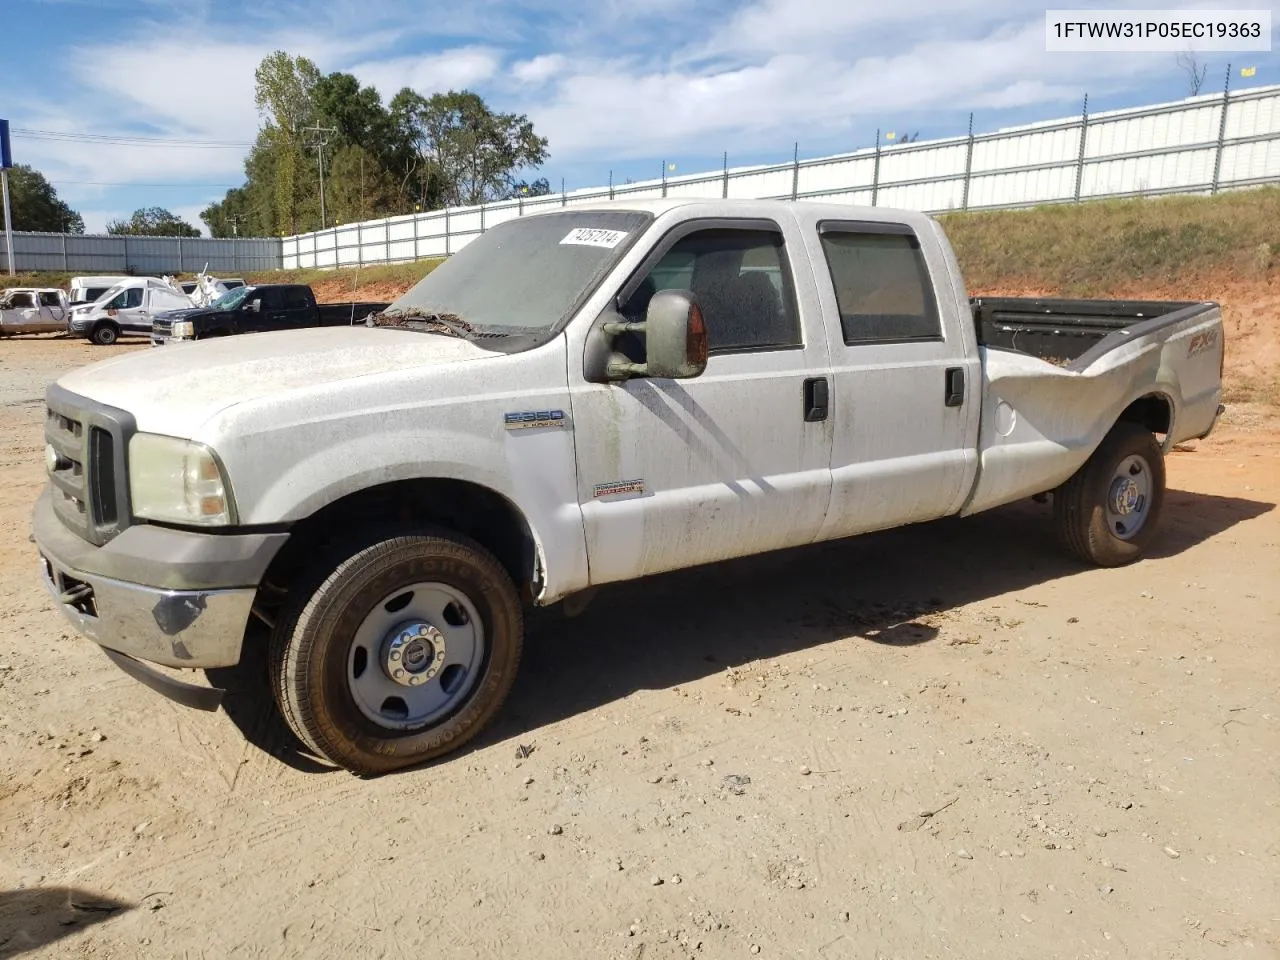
(467, 508)
(1153, 411)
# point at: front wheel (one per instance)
(105, 334)
(1107, 513)
(403, 653)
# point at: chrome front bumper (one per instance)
(172, 597)
(174, 628)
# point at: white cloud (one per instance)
(540, 69)
(451, 70)
(677, 79)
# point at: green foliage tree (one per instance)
(414, 152)
(474, 152)
(36, 206)
(153, 222)
(284, 88)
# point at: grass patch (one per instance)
(1087, 249)
(395, 273)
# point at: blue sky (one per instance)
(619, 85)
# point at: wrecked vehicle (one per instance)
(577, 398)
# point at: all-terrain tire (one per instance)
(315, 632)
(1080, 505)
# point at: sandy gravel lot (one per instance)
(945, 741)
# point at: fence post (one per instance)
(1222, 130)
(359, 244)
(1084, 133)
(724, 193)
(482, 228)
(664, 178)
(125, 238)
(179, 254)
(386, 240)
(795, 172)
(64, 253)
(447, 244)
(564, 197)
(875, 172)
(968, 166)
(610, 184)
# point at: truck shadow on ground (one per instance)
(31, 919)
(679, 627)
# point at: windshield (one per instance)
(231, 299)
(526, 274)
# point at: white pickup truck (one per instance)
(33, 310)
(577, 398)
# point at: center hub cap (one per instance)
(1125, 497)
(414, 654)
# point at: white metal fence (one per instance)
(1199, 145)
(143, 255)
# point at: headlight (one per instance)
(183, 329)
(177, 481)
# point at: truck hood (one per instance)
(176, 388)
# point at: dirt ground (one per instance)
(943, 741)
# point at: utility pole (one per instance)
(235, 223)
(6, 161)
(320, 142)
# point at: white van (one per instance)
(126, 308)
(89, 289)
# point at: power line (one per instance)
(127, 139)
(107, 183)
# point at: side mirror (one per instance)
(253, 306)
(675, 336)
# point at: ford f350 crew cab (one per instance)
(577, 398)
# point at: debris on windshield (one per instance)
(416, 319)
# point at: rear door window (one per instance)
(881, 284)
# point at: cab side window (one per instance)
(126, 299)
(882, 286)
(742, 283)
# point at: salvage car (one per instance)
(578, 398)
(33, 310)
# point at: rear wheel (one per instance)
(105, 334)
(401, 654)
(1108, 512)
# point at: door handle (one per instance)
(815, 399)
(955, 386)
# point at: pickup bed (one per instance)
(257, 309)
(578, 398)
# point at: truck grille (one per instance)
(90, 486)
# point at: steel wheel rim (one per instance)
(1128, 498)
(416, 656)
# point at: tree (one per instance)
(36, 206)
(153, 222)
(537, 188)
(1190, 64)
(474, 152)
(283, 93)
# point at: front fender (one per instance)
(536, 474)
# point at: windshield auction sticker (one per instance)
(594, 237)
